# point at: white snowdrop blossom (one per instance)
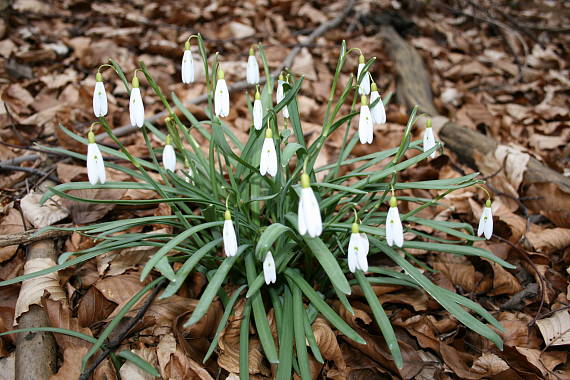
(229, 234)
(378, 112)
(187, 65)
(429, 139)
(188, 177)
(257, 111)
(168, 155)
(252, 74)
(95, 164)
(364, 87)
(486, 221)
(280, 95)
(268, 160)
(358, 247)
(222, 96)
(365, 126)
(394, 230)
(136, 106)
(99, 97)
(269, 272)
(309, 213)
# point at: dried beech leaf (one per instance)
(328, 345)
(93, 307)
(556, 329)
(489, 365)
(71, 368)
(42, 215)
(82, 212)
(11, 223)
(132, 372)
(549, 240)
(59, 315)
(174, 364)
(33, 289)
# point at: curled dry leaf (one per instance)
(328, 345)
(59, 315)
(174, 364)
(503, 281)
(33, 289)
(11, 223)
(83, 212)
(93, 307)
(71, 368)
(489, 365)
(132, 372)
(549, 240)
(556, 329)
(42, 215)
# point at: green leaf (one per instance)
(268, 237)
(323, 307)
(244, 342)
(299, 329)
(311, 338)
(286, 339)
(328, 262)
(223, 322)
(213, 287)
(381, 318)
(289, 151)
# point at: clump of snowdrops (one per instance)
(256, 221)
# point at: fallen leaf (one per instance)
(71, 368)
(549, 240)
(42, 215)
(556, 329)
(327, 343)
(131, 372)
(59, 315)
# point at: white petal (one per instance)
(169, 157)
(365, 245)
(93, 155)
(365, 126)
(187, 67)
(398, 232)
(378, 112)
(352, 264)
(268, 162)
(279, 93)
(99, 100)
(429, 141)
(312, 212)
(389, 227)
(136, 108)
(100, 167)
(488, 228)
(481, 224)
(353, 247)
(222, 99)
(362, 261)
(252, 70)
(257, 114)
(364, 88)
(301, 217)
(230, 240)
(269, 269)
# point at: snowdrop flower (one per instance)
(95, 164)
(189, 172)
(269, 269)
(309, 213)
(358, 247)
(268, 160)
(136, 106)
(364, 88)
(168, 155)
(252, 75)
(222, 96)
(429, 140)
(394, 231)
(486, 221)
(378, 112)
(229, 233)
(257, 111)
(280, 95)
(187, 65)
(365, 126)
(99, 97)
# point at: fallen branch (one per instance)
(288, 62)
(28, 237)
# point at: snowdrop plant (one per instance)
(280, 94)
(364, 88)
(365, 126)
(377, 107)
(187, 67)
(282, 245)
(95, 164)
(136, 106)
(429, 139)
(168, 155)
(486, 221)
(268, 160)
(99, 97)
(257, 111)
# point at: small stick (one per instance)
(28, 237)
(29, 170)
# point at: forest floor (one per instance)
(501, 68)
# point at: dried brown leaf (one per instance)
(42, 215)
(549, 240)
(132, 372)
(93, 307)
(328, 345)
(59, 315)
(71, 368)
(556, 329)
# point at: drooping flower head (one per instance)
(252, 74)
(378, 112)
(257, 111)
(168, 155)
(99, 97)
(358, 247)
(269, 272)
(364, 88)
(486, 221)
(309, 214)
(268, 160)
(394, 230)
(95, 164)
(280, 95)
(365, 126)
(187, 65)
(229, 235)
(429, 139)
(222, 96)
(136, 106)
